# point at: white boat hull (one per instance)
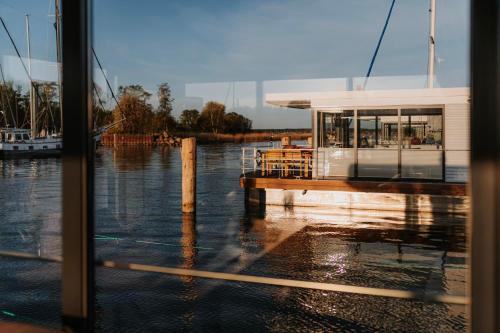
(32, 148)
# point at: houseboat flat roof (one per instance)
(370, 98)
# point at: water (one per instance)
(138, 220)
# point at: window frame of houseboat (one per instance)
(318, 119)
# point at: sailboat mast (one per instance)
(432, 44)
(32, 102)
(59, 58)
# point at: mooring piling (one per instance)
(286, 141)
(188, 155)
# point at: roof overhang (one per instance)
(370, 98)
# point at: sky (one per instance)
(227, 50)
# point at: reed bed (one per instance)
(202, 138)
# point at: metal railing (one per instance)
(342, 288)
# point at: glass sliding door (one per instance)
(378, 143)
(422, 143)
(336, 144)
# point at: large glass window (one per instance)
(216, 70)
(336, 142)
(378, 143)
(337, 129)
(30, 170)
(422, 143)
(378, 129)
(422, 129)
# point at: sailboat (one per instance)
(32, 143)
(22, 142)
(18, 142)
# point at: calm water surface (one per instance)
(139, 220)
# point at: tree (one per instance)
(135, 90)
(101, 116)
(212, 117)
(135, 111)
(189, 119)
(236, 123)
(163, 117)
(165, 98)
(12, 106)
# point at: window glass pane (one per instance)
(422, 129)
(247, 79)
(422, 143)
(338, 129)
(30, 177)
(335, 155)
(378, 129)
(378, 143)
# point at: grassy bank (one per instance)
(202, 138)
(253, 136)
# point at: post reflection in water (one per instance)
(188, 243)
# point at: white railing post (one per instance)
(243, 160)
(254, 160)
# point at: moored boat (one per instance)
(18, 143)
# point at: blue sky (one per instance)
(217, 42)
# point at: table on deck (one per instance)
(288, 162)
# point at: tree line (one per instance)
(134, 114)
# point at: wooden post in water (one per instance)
(286, 141)
(188, 153)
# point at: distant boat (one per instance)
(17, 142)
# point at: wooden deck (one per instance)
(348, 185)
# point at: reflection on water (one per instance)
(188, 243)
(138, 219)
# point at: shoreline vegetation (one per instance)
(138, 122)
(203, 137)
(133, 114)
(134, 120)
(254, 136)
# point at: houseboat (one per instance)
(401, 150)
